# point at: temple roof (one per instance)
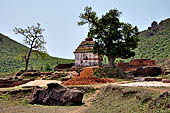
(85, 47)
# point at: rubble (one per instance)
(148, 71)
(141, 67)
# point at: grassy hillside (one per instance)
(9, 49)
(112, 99)
(154, 42)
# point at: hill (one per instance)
(9, 50)
(154, 42)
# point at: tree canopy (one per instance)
(34, 39)
(113, 38)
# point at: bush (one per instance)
(48, 68)
(108, 72)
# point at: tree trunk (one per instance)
(27, 60)
(29, 54)
(111, 61)
(26, 64)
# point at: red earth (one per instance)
(86, 77)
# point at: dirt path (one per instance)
(41, 83)
(88, 102)
(146, 84)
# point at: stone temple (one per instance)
(84, 56)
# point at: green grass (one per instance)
(156, 46)
(114, 99)
(10, 49)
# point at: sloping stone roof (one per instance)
(85, 47)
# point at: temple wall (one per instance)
(87, 59)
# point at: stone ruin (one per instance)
(141, 67)
(5, 83)
(63, 66)
(56, 94)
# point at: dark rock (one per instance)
(165, 80)
(19, 73)
(166, 71)
(148, 71)
(56, 94)
(149, 28)
(65, 78)
(31, 74)
(4, 83)
(152, 79)
(146, 99)
(55, 85)
(37, 95)
(163, 96)
(0, 39)
(63, 66)
(154, 24)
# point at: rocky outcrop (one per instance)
(56, 94)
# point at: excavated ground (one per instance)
(86, 78)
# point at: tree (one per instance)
(113, 38)
(33, 39)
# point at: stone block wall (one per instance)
(134, 64)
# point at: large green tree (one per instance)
(113, 38)
(34, 40)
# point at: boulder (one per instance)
(56, 94)
(147, 71)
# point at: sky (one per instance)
(59, 19)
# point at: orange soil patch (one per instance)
(86, 77)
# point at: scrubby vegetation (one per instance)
(9, 51)
(154, 43)
(114, 99)
(108, 72)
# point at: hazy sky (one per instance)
(60, 17)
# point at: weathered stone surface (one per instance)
(148, 78)
(31, 74)
(136, 63)
(165, 80)
(152, 79)
(19, 73)
(148, 71)
(142, 62)
(63, 66)
(4, 83)
(56, 94)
